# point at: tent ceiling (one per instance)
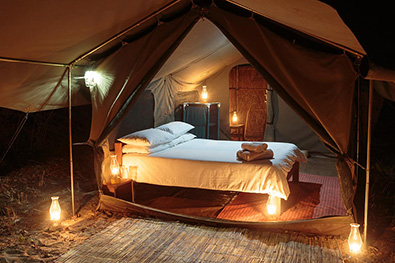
(60, 31)
(203, 52)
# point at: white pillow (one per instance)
(128, 148)
(184, 138)
(177, 128)
(149, 137)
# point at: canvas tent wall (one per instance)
(139, 36)
(205, 56)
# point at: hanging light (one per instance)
(91, 78)
(273, 205)
(234, 117)
(54, 210)
(354, 239)
(204, 93)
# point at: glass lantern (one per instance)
(54, 210)
(273, 205)
(114, 165)
(115, 177)
(204, 93)
(354, 239)
(125, 172)
(234, 117)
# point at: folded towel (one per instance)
(254, 147)
(251, 156)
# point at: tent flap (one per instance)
(320, 85)
(129, 70)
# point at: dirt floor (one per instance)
(27, 234)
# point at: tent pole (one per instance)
(365, 230)
(34, 62)
(358, 121)
(71, 144)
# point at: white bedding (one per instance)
(212, 164)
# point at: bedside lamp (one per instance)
(234, 117)
(115, 169)
(204, 93)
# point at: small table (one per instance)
(238, 130)
(123, 183)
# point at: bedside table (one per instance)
(237, 132)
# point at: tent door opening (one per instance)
(247, 97)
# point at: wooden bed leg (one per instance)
(295, 177)
(132, 184)
(294, 173)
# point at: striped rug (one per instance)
(149, 240)
(313, 197)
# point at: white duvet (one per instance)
(212, 164)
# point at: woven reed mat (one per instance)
(150, 240)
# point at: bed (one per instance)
(212, 164)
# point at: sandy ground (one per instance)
(27, 234)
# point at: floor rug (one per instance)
(313, 197)
(148, 240)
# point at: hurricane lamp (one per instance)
(204, 93)
(54, 210)
(114, 165)
(273, 205)
(234, 117)
(354, 239)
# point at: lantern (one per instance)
(54, 210)
(234, 117)
(354, 239)
(91, 78)
(114, 165)
(204, 93)
(125, 172)
(273, 205)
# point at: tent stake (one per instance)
(71, 145)
(365, 230)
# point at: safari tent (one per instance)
(309, 52)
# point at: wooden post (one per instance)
(71, 144)
(365, 230)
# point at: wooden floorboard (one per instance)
(150, 240)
